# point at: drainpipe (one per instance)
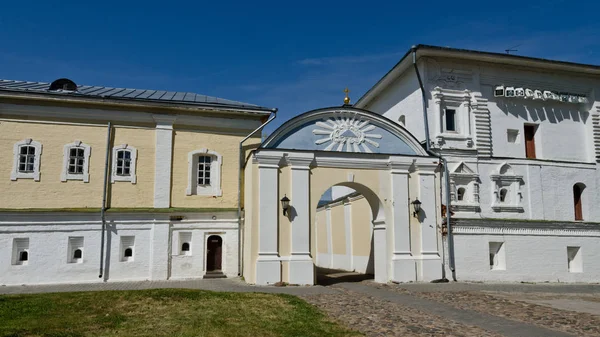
(104, 193)
(444, 162)
(241, 159)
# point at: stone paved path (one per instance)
(455, 309)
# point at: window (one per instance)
(20, 253)
(574, 263)
(451, 120)
(530, 141)
(184, 241)
(76, 157)
(204, 170)
(75, 249)
(460, 194)
(76, 160)
(578, 209)
(124, 163)
(204, 173)
(497, 256)
(127, 246)
(503, 193)
(26, 162)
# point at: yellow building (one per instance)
(119, 183)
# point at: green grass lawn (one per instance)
(162, 312)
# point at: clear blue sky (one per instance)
(295, 56)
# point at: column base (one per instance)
(302, 270)
(430, 267)
(404, 268)
(268, 270)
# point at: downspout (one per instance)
(444, 162)
(241, 166)
(104, 194)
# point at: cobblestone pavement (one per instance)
(377, 317)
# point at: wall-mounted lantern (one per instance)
(285, 204)
(417, 207)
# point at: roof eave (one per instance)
(465, 54)
(132, 103)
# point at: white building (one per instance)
(522, 139)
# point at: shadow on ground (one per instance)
(327, 277)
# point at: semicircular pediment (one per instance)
(344, 129)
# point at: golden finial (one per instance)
(347, 98)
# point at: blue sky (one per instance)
(295, 56)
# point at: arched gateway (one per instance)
(349, 147)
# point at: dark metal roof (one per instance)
(158, 96)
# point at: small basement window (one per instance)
(20, 253)
(77, 254)
(75, 249)
(497, 256)
(127, 246)
(24, 256)
(128, 252)
(574, 263)
(184, 241)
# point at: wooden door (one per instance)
(530, 141)
(214, 249)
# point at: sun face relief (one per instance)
(345, 132)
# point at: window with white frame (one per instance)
(124, 163)
(450, 120)
(506, 189)
(76, 160)
(464, 189)
(26, 162)
(204, 173)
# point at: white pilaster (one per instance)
(329, 237)
(268, 265)
(348, 231)
(430, 262)
(163, 160)
(403, 263)
(301, 264)
(160, 252)
(437, 110)
(380, 251)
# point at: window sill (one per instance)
(19, 175)
(77, 177)
(507, 208)
(458, 206)
(115, 178)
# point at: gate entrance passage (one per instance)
(341, 147)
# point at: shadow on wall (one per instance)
(537, 111)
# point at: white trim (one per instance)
(163, 160)
(65, 175)
(132, 175)
(35, 175)
(215, 174)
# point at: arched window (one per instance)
(124, 162)
(24, 256)
(185, 247)
(128, 252)
(26, 163)
(578, 209)
(460, 194)
(204, 173)
(77, 254)
(503, 193)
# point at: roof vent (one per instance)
(63, 84)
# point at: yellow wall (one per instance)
(362, 229)
(141, 194)
(227, 146)
(338, 230)
(50, 191)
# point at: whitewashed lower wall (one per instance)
(155, 256)
(531, 255)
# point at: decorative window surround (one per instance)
(460, 102)
(505, 178)
(214, 189)
(464, 177)
(35, 175)
(132, 177)
(85, 176)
